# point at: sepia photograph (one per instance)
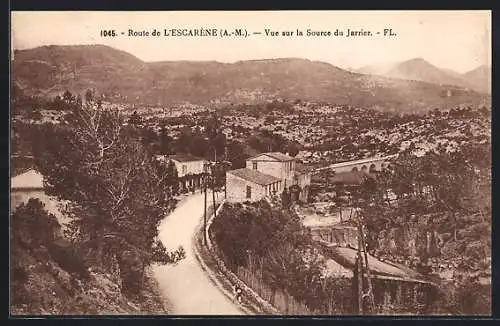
(275, 163)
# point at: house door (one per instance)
(249, 192)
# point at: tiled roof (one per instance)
(276, 155)
(185, 158)
(347, 257)
(28, 180)
(255, 176)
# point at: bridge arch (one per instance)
(355, 169)
(373, 167)
(364, 168)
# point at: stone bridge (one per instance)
(367, 164)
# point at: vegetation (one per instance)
(275, 241)
(94, 158)
(440, 217)
(49, 276)
(117, 192)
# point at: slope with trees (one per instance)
(117, 192)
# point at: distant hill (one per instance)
(418, 69)
(50, 70)
(481, 77)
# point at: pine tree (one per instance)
(117, 193)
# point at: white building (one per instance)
(189, 168)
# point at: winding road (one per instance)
(186, 287)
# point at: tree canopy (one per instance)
(117, 192)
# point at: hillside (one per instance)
(50, 70)
(418, 69)
(48, 289)
(49, 274)
(481, 77)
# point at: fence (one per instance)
(392, 295)
(283, 301)
(212, 256)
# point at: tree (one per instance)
(236, 154)
(135, 119)
(33, 226)
(117, 194)
(286, 199)
(293, 149)
(68, 97)
(149, 138)
(165, 142)
(339, 198)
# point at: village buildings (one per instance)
(265, 175)
(190, 170)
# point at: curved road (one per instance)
(187, 288)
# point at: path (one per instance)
(185, 285)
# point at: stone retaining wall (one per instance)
(222, 277)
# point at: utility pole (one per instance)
(359, 269)
(368, 273)
(213, 193)
(362, 247)
(205, 211)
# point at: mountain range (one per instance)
(48, 71)
(478, 79)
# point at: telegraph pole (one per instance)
(368, 273)
(359, 270)
(213, 194)
(205, 211)
(361, 267)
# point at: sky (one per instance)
(457, 40)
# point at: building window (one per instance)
(249, 192)
(254, 165)
(184, 169)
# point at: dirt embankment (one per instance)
(43, 287)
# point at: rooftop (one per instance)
(185, 158)
(276, 155)
(28, 180)
(255, 176)
(347, 258)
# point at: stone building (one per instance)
(267, 174)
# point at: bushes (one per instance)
(64, 254)
(276, 248)
(463, 299)
(32, 226)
